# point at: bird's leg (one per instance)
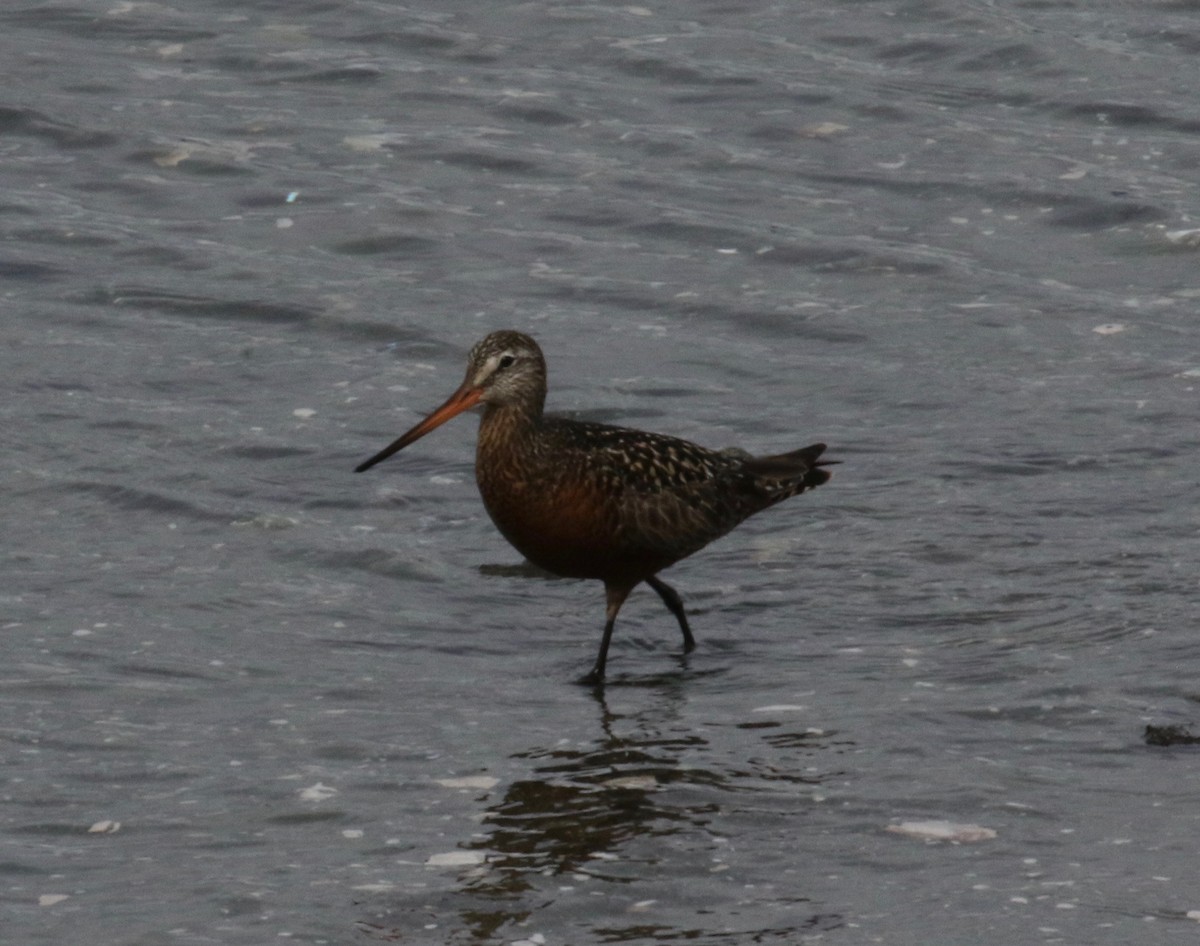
(675, 603)
(616, 595)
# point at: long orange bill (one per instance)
(461, 400)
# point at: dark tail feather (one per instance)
(802, 469)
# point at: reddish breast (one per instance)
(563, 528)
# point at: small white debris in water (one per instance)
(352, 833)
(291, 197)
(368, 142)
(822, 130)
(82, 632)
(304, 413)
(317, 792)
(537, 939)
(49, 899)
(173, 158)
(284, 222)
(456, 859)
(105, 827)
(643, 783)
(779, 708)
(1109, 328)
(942, 831)
(728, 251)
(1188, 237)
(268, 520)
(469, 781)
(1193, 915)
(642, 906)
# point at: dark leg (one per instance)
(672, 600)
(616, 597)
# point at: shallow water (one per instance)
(251, 696)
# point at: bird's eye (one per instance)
(506, 361)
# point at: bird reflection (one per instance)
(580, 807)
(606, 818)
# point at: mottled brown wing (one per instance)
(669, 497)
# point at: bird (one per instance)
(596, 501)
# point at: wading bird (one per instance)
(588, 500)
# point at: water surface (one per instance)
(250, 696)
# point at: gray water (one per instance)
(249, 697)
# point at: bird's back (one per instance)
(597, 501)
